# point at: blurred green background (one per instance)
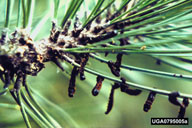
(84, 110)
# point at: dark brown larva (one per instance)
(125, 88)
(110, 102)
(98, 86)
(111, 98)
(183, 108)
(72, 88)
(149, 101)
(173, 98)
(84, 59)
(114, 69)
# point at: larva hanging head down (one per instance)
(149, 101)
(98, 86)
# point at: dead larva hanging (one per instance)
(149, 101)
(97, 88)
(72, 88)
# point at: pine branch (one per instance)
(144, 27)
